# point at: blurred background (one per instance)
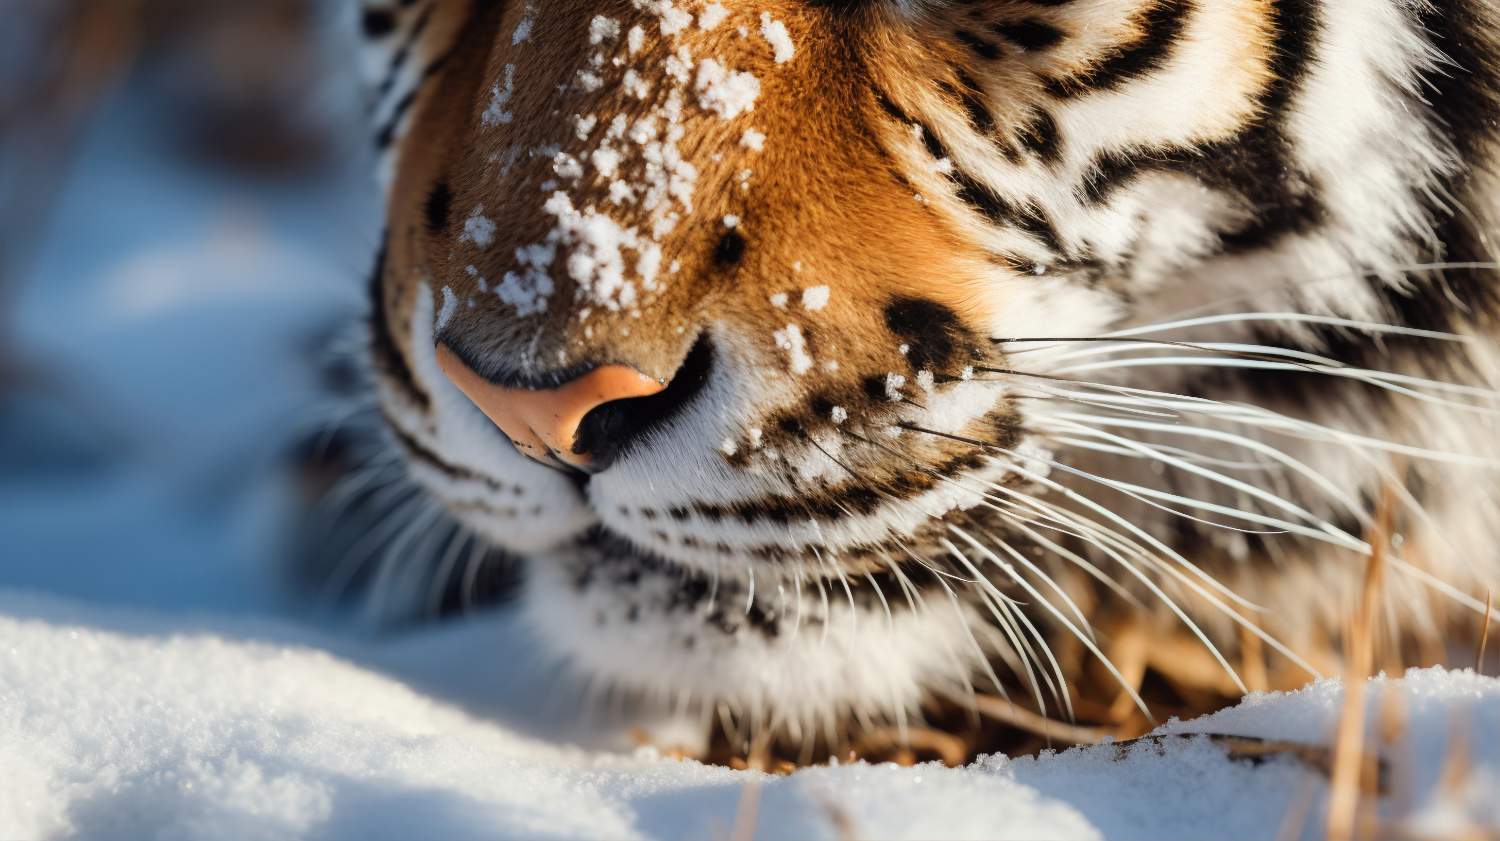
(187, 217)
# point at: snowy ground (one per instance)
(153, 684)
(115, 725)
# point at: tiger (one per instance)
(832, 371)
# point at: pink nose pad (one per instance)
(543, 423)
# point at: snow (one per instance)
(244, 730)
(603, 29)
(155, 682)
(791, 340)
(775, 33)
(479, 229)
(523, 29)
(815, 298)
(711, 16)
(495, 114)
(726, 92)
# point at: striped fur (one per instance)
(1013, 318)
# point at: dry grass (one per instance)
(1484, 631)
(1346, 819)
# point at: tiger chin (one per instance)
(838, 371)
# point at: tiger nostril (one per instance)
(609, 430)
(585, 423)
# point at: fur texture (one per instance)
(1011, 326)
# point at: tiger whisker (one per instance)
(1385, 381)
(1333, 491)
(1086, 639)
(1026, 629)
(1156, 544)
(1001, 609)
(1213, 476)
(1153, 542)
(890, 620)
(1005, 508)
(1071, 604)
(442, 576)
(391, 518)
(391, 561)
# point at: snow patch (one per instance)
(478, 229)
(495, 114)
(815, 298)
(791, 340)
(450, 306)
(775, 33)
(712, 16)
(728, 93)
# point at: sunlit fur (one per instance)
(1030, 321)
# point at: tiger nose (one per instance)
(543, 423)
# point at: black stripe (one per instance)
(387, 134)
(385, 355)
(987, 50)
(1164, 24)
(984, 201)
(1030, 35)
(419, 451)
(1460, 101)
(1259, 164)
(377, 23)
(972, 98)
(1041, 138)
(403, 53)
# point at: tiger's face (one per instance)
(731, 204)
(716, 313)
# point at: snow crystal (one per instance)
(603, 29)
(495, 113)
(478, 229)
(528, 288)
(450, 306)
(712, 16)
(673, 19)
(839, 414)
(523, 29)
(791, 340)
(725, 92)
(567, 166)
(731, 221)
(635, 39)
(926, 381)
(775, 33)
(894, 382)
(729, 448)
(779, 300)
(815, 298)
(636, 85)
(606, 161)
(473, 273)
(589, 80)
(753, 140)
